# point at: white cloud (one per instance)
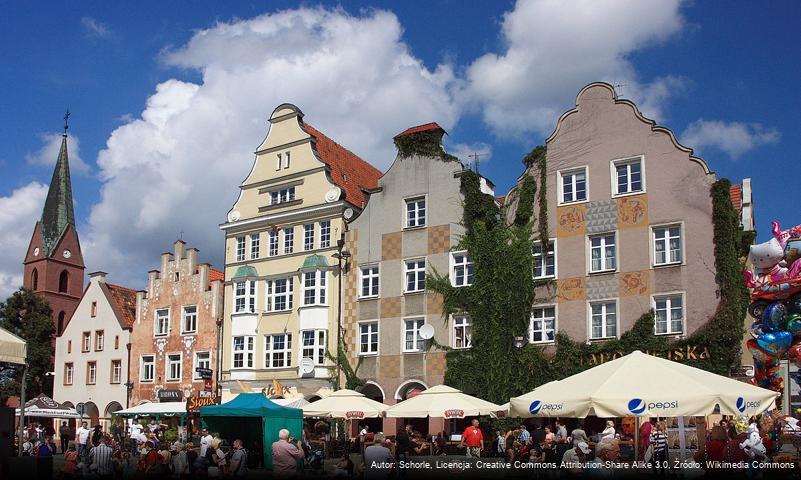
(466, 151)
(178, 165)
(48, 152)
(18, 215)
(553, 48)
(94, 28)
(733, 138)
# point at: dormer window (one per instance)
(282, 195)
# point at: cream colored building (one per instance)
(281, 273)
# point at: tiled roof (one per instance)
(215, 275)
(500, 199)
(421, 128)
(736, 194)
(124, 300)
(348, 171)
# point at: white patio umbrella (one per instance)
(643, 385)
(442, 401)
(45, 407)
(348, 404)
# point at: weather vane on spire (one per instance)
(66, 121)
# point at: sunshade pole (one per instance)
(21, 427)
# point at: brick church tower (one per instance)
(54, 263)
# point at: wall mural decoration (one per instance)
(632, 211)
(570, 220)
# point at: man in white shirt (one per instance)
(205, 441)
(136, 434)
(82, 434)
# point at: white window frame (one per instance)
(91, 374)
(543, 330)
(185, 316)
(467, 265)
(318, 287)
(86, 342)
(604, 258)
(143, 368)
(318, 346)
(604, 333)
(196, 363)
(248, 352)
(373, 278)
(118, 363)
(240, 248)
(670, 296)
(248, 297)
(288, 295)
(369, 334)
(654, 240)
(542, 260)
(416, 222)
(308, 237)
(560, 192)
(272, 243)
(325, 234)
(613, 164)
(168, 367)
(418, 341)
(462, 321)
(69, 373)
(157, 330)
(255, 246)
(269, 351)
(289, 240)
(416, 272)
(100, 340)
(281, 195)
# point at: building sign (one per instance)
(689, 352)
(194, 402)
(208, 384)
(354, 414)
(204, 373)
(454, 413)
(170, 395)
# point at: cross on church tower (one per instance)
(66, 121)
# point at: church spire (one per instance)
(58, 210)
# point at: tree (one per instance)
(28, 316)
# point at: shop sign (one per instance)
(204, 373)
(454, 413)
(170, 395)
(354, 414)
(690, 352)
(208, 384)
(194, 402)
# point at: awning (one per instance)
(345, 403)
(154, 408)
(442, 401)
(12, 348)
(46, 407)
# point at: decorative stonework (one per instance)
(439, 239)
(632, 211)
(601, 287)
(161, 345)
(570, 289)
(391, 246)
(601, 216)
(570, 220)
(349, 300)
(390, 366)
(435, 364)
(634, 283)
(390, 307)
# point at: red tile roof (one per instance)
(348, 171)
(215, 275)
(736, 194)
(123, 302)
(421, 128)
(500, 199)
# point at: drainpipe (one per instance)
(128, 383)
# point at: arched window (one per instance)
(63, 281)
(35, 279)
(60, 327)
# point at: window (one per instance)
(69, 346)
(86, 345)
(116, 371)
(174, 367)
(462, 332)
(189, 323)
(314, 288)
(667, 245)
(369, 281)
(415, 212)
(99, 341)
(544, 262)
(289, 240)
(283, 195)
(278, 161)
(669, 310)
(412, 341)
(279, 294)
(35, 279)
(313, 345)
(91, 373)
(116, 342)
(147, 372)
(368, 338)
(273, 243)
(308, 236)
(243, 352)
(627, 176)
(543, 325)
(94, 309)
(602, 253)
(240, 248)
(68, 373)
(325, 234)
(415, 275)
(255, 240)
(64, 281)
(162, 324)
(286, 161)
(278, 350)
(245, 296)
(573, 185)
(603, 318)
(202, 360)
(461, 269)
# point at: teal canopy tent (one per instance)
(255, 420)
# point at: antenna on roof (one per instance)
(181, 235)
(619, 88)
(476, 159)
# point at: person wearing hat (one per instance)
(576, 458)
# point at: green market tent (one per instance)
(253, 418)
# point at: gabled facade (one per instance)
(54, 263)
(91, 364)
(177, 326)
(281, 276)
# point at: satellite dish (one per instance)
(306, 366)
(426, 332)
(348, 213)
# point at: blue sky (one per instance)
(170, 99)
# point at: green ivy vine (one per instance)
(425, 144)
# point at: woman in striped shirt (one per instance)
(659, 442)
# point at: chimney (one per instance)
(166, 258)
(180, 249)
(98, 277)
(140, 295)
(203, 271)
(191, 257)
(152, 276)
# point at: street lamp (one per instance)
(520, 341)
(342, 257)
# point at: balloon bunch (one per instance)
(777, 335)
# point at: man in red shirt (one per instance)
(473, 438)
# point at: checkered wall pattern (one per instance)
(436, 364)
(439, 239)
(391, 245)
(349, 296)
(390, 366)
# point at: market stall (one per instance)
(255, 420)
